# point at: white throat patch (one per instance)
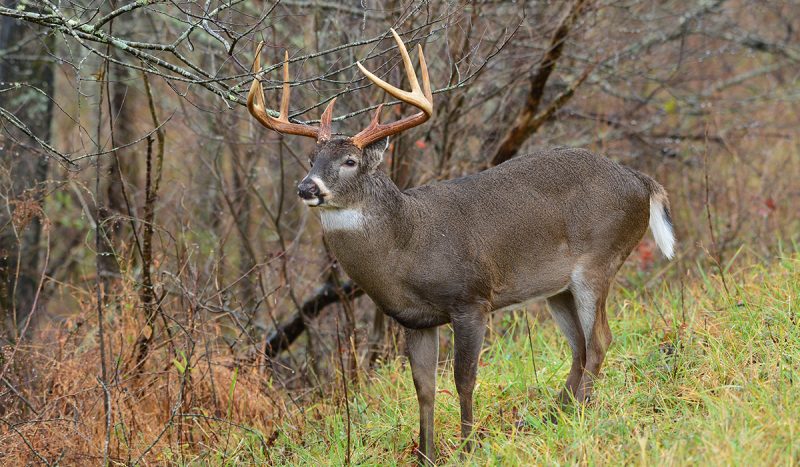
(342, 219)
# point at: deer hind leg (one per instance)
(468, 333)
(562, 308)
(422, 347)
(590, 300)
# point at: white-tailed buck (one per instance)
(554, 224)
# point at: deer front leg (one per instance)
(468, 333)
(422, 347)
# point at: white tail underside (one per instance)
(662, 228)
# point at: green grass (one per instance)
(693, 377)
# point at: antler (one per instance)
(255, 104)
(420, 98)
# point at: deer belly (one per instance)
(418, 318)
(410, 312)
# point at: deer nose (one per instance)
(307, 189)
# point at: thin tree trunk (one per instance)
(528, 120)
(122, 169)
(23, 175)
(152, 181)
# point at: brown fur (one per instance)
(555, 224)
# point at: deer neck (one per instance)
(372, 240)
(372, 221)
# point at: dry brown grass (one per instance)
(57, 398)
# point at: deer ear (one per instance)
(373, 154)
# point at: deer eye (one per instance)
(310, 163)
(350, 163)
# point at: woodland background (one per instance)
(161, 285)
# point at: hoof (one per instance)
(551, 417)
(565, 398)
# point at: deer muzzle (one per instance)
(312, 191)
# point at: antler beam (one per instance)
(255, 104)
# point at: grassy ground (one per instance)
(694, 376)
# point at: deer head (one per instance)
(341, 167)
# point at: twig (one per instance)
(19, 395)
(344, 386)
(717, 256)
(285, 334)
(179, 403)
(28, 319)
(25, 440)
(528, 121)
(98, 278)
(530, 343)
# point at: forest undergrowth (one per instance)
(705, 373)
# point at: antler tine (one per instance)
(325, 129)
(257, 107)
(376, 119)
(415, 97)
(409, 67)
(426, 81)
(286, 92)
(420, 98)
(255, 98)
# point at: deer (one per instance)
(554, 225)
